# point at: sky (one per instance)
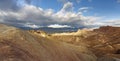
(60, 13)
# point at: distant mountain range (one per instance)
(52, 30)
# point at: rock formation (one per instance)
(104, 42)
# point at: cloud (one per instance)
(115, 23)
(25, 14)
(45, 17)
(14, 5)
(58, 26)
(112, 23)
(73, 18)
(31, 25)
(28, 13)
(65, 1)
(89, 0)
(8, 5)
(84, 9)
(78, 1)
(118, 1)
(68, 7)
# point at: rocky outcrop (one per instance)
(19, 45)
(39, 32)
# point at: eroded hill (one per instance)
(19, 45)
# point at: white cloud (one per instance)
(59, 26)
(115, 23)
(35, 17)
(68, 7)
(31, 25)
(65, 1)
(77, 1)
(39, 16)
(84, 9)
